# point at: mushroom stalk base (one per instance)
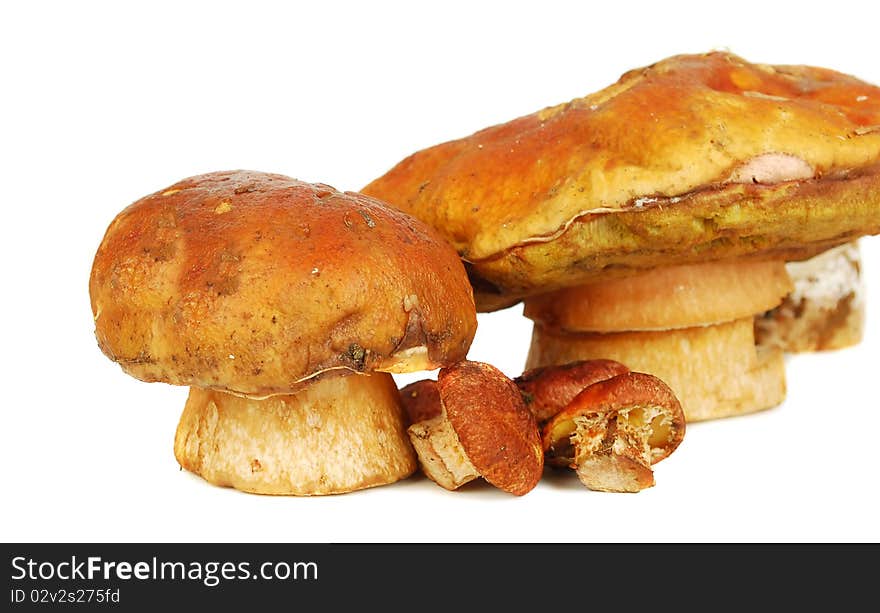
(339, 434)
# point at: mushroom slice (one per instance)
(548, 389)
(614, 430)
(482, 429)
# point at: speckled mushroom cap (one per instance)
(696, 157)
(253, 283)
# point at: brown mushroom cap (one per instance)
(549, 389)
(496, 430)
(251, 283)
(660, 168)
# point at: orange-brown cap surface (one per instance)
(693, 158)
(251, 283)
(548, 389)
(496, 430)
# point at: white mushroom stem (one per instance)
(339, 434)
(440, 452)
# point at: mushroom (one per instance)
(285, 306)
(614, 430)
(479, 427)
(698, 171)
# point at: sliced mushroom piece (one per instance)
(441, 454)
(548, 389)
(482, 429)
(614, 430)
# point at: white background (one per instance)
(104, 103)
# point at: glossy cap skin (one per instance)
(694, 158)
(253, 283)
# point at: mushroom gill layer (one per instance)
(339, 434)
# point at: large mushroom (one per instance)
(674, 177)
(284, 306)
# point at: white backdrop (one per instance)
(105, 103)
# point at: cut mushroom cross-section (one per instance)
(614, 430)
